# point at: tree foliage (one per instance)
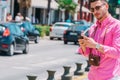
(68, 5)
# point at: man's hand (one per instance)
(89, 42)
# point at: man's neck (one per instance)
(104, 17)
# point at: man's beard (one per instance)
(99, 18)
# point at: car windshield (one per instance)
(61, 25)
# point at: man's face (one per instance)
(99, 9)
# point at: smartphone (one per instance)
(81, 37)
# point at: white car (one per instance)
(58, 29)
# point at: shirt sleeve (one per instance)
(114, 50)
(86, 53)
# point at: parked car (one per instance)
(12, 39)
(57, 30)
(29, 30)
(73, 32)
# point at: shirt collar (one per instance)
(104, 22)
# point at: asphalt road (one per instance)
(46, 55)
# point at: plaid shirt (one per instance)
(108, 34)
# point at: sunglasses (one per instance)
(96, 8)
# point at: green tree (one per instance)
(68, 5)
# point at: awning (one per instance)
(84, 9)
(44, 4)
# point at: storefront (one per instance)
(39, 11)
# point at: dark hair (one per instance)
(97, 0)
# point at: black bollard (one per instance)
(51, 75)
(31, 77)
(66, 75)
(78, 70)
(88, 66)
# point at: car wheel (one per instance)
(75, 43)
(59, 38)
(65, 42)
(26, 50)
(37, 39)
(51, 38)
(11, 50)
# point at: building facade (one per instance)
(38, 11)
(4, 9)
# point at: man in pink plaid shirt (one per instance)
(104, 42)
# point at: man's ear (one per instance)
(107, 6)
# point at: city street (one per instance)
(47, 55)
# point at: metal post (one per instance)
(31, 77)
(51, 75)
(66, 75)
(88, 66)
(78, 70)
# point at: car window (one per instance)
(61, 25)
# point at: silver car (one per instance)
(58, 29)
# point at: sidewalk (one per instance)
(81, 77)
